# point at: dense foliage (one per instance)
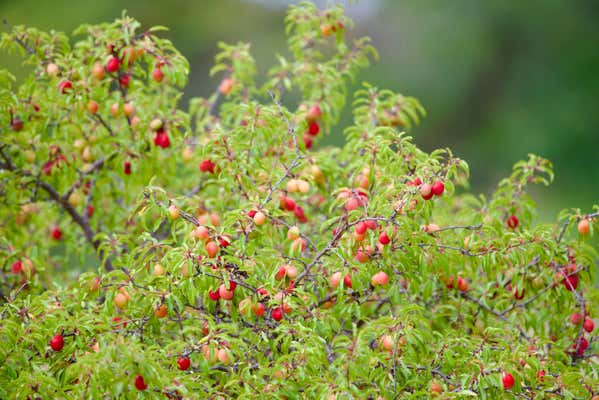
(228, 255)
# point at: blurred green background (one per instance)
(499, 79)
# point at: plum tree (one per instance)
(229, 254)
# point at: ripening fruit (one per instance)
(201, 233)
(576, 318)
(157, 75)
(303, 186)
(16, 124)
(298, 244)
(225, 293)
(326, 30)
(512, 222)
(588, 325)
(120, 300)
(245, 306)
(361, 228)
(438, 188)
(308, 142)
(161, 311)
(226, 86)
(183, 363)
(426, 191)
(75, 199)
(380, 278)
(140, 384)
(584, 227)
(128, 109)
(277, 313)
(65, 86)
(258, 309)
(52, 69)
(207, 166)
(436, 388)
(259, 218)
(570, 282)
(56, 233)
(112, 64)
(317, 174)
(156, 124)
(124, 80)
(281, 272)
(347, 280)
(29, 156)
(57, 343)
(173, 211)
(223, 356)
(292, 185)
(291, 271)
(335, 279)
(92, 106)
(127, 168)
(314, 113)
(293, 233)
(211, 249)
(462, 284)
(98, 71)
(384, 238)
(158, 270)
(507, 380)
(115, 109)
(17, 267)
(386, 343)
(313, 128)
(362, 256)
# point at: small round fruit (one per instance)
(183, 363)
(156, 124)
(507, 380)
(128, 109)
(115, 109)
(223, 356)
(201, 233)
(380, 278)
(326, 30)
(112, 64)
(335, 279)
(65, 86)
(291, 272)
(211, 249)
(98, 71)
(92, 106)
(436, 388)
(140, 384)
(313, 128)
(438, 188)
(225, 293)
(161, 311)
(277, 313)
(292, 185)
(258, 309)
(293, 233)
(207, 166)
(226, 86)
(512, 222)
(259, 218)
(52, 69)
(386, 343)
(158, 270)
(57, 342)
(384, 238)
(314, 113)
(303, 186)
(584, 227)
(462, 284)
(120, 300)
(588, 325)
(347, 280)
(173, 211)
(426, 191)
(576, 318)
(157, 75)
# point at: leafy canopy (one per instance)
(144, 235)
